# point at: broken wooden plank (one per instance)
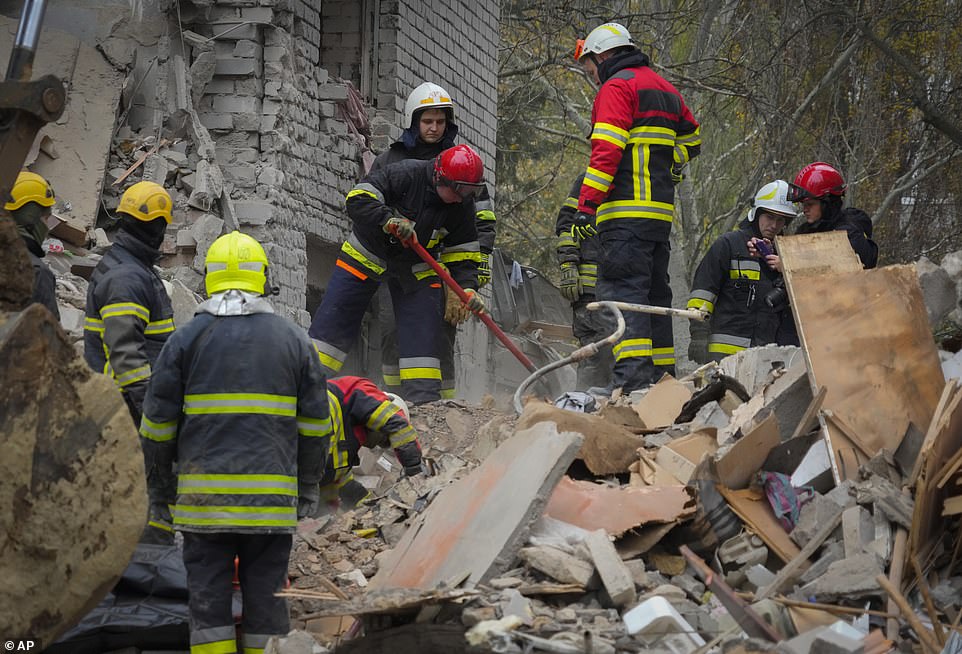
(928, 640)
(617, 579)
(817, 254)
(479, 522)
(381, 600)
(926, 593)
(952, 505)
(616, 510)
(754, 510)
(801, 560)
(745, 458)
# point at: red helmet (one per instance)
(460, 168)
(817, 180)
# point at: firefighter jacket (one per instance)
(363, 416)
(239, 400)
(409, 146)
(129, 316)
(731, 285)
(407, 187)
(44, 283)
(642, 136)
(854, 222)
(571, 249)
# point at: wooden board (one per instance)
(753, 508)
(867, 339)
(745, 458)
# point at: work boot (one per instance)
(353, 494)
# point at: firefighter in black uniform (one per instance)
(30, 202)
(578, 259)
(429, 128)
(735, 285)
(434, 200)
(238, 399)
(362, 415)
(129, 316)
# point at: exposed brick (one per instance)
(236, 104)
(235, 67)
(217, 121)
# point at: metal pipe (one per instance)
(28, 35)
(691, 314)
(580, 354)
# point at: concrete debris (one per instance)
(557, 564)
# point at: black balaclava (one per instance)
(31, 221)
(151, 233)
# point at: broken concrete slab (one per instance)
(886, 498)
(616, 510)
(833, 551)
(607, 448)
(813, 514)
(850, 578)
(939, 291)
(72, 466)
(557, 564)
(753, 367)
(617, 579)
(476, 525)
(789, 396)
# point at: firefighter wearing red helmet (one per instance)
(820, 189)
(429, 129)
(432, 201)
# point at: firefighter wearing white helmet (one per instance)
(736, 283)
(429, 128)
(642, 137)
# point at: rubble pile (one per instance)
(748, 506)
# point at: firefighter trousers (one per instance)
(390, 371)
(337, 323)
(262, 571)
(590, 327)
(636, 270)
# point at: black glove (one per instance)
(583, 226)
(308, 500)
(134, 395)
(409, 456)
(570, 285)
(698, 347)
(677, 173)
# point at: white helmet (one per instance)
(773, 198)
(399, 403)
(603, 38)
(427, 96)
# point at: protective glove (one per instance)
(308, 499)
(409, 456)
(583, 226)
(698, 347)
(134, 395)
(484, 269)
(160, 525)
(677, 173)
(570, 285)
(399, 227)
(455, 313)
(475, 303)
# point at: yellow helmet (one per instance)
(30, 187)
(236, 261)
(146, 201)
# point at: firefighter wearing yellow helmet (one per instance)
(239, 400)
(129, 315)
(31, 203)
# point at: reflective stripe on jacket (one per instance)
(240, 402)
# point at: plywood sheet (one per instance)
(746, 456)
(867, 339)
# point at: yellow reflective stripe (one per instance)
(565, 240)
(133, 376)
(689, 140)
(358, 256)
(610, 133)
(663, 356)
(125, 309)
(596, 185)
(221, 484)
(245, 516)
(423, 274)
(404, 436)
(160, 326)
(329, 361)
(313, 426)
(158, 431)
(391, 380)
(420, 373)
(339, 455)
(258, 403)
(571, 202)
(652, 135)
(451, 257)
(724, 348)
(160, 525)
(744, 274)
(94, 325)
(632, 347)
(447, 393)
(486, 214)
(701, 305)
(381, 415)
(217, 647)
(360, 191)
(599, 175)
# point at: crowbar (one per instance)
(453, 285)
